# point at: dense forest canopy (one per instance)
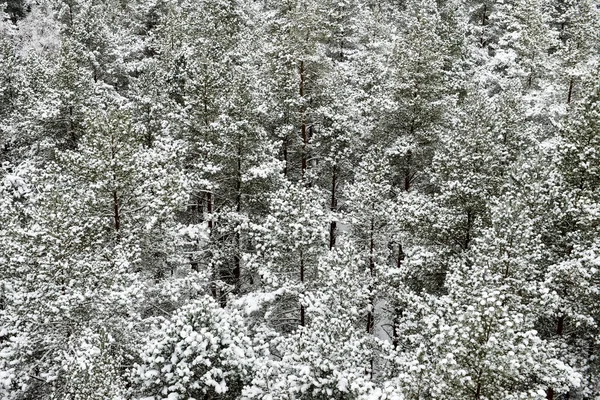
(299, 199)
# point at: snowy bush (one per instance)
(202, 352)
(326, 361)
(94, 369)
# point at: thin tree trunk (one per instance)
(213, 286)
(560, 326)
(469, 228)
(371, 312)
(238, 208)
(333, 206)
(570, 94)
(304, 165)
(198, 215)
(401, 256)
(303, 119)
(302, 312)
(370, 318)
(397, 310)
(407, 177)
(213, 290)
(395, 337)
(209, 209)
(285, 157)
(117, 217)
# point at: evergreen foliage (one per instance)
(299, 199)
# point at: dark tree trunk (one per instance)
(468, 229)
(560, 326)
(209, 209)
(333, 206)
(370, 317)
(303, 119)
(213, 291)
(285, 157)
(397, 310)
(197, 216)
(371, 313)
(302, 312)
(407, 175)
(238, 207)
(395, 327)
(117, 217)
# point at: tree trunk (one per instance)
(285, 157)
(238, 207)
(117, 217)
(209, 204)
(333, 206)
(397, 310)
(560, 326)
(370, 317)
(302, 312)
(468, 230)
(478, 391)
(395, 327)
(407, 177)
(197, 216)
(304, 164)
(209, 209)
(303, 119)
